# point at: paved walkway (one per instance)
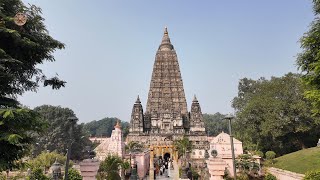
(174, 174)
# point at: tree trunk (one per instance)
(301, 143)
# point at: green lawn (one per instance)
(300, 161)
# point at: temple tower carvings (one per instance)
(166, 117)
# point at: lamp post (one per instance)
(71, 120)
(229, 118)
(130, 162)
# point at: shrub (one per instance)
(74, 174)
(37, 173)
(312, 175)
(270, 155)
(242, 176)
(259, 153)
(246, 163)
(2, 176)
(46, 159)
(195, 174)
(270, 177)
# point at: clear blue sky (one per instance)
(111, 46)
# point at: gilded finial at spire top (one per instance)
(138, 100)
(118, 124)
(195, 98)
(165, 43)
(165, 30)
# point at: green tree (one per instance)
(57, 137)
(183, 145)
(73, 174)
(133, 146)
(125, 165)
(308, 60)
(46, 159)
(104, 127)
(22, 48)
(16, 127)
(109, 168)
(37, 173)
(215, 123)
(273, 114)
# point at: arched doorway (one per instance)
(166, 156)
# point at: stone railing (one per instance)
(285, 175)
(161, 143)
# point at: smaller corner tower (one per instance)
(196, 118)
(136, 123)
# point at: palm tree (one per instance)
(124, 167)
(134, 146)
(109, 169)
(183, 145)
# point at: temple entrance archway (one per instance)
(166, 156)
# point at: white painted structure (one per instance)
(113, 145)
(221, 143)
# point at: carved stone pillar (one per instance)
(158, 151)
(151, 169)
(176, 156)
(162, 153)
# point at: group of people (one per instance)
(163, 167)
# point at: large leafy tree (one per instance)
(57, 137)
(46, 159)
(274, 115)
(309, 59)
(22, 48)
(16, 129)
(215, 123)
(105, 126)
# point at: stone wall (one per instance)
(285, 175)
(143, 163)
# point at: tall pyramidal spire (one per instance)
(165, 43)
(166, 103)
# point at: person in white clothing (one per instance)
(161, 170)
(169, 168)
